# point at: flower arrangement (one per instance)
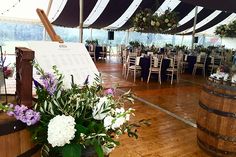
(226, 30)
(66, 122)
(225, 73)
(147, 21)
(7, 70)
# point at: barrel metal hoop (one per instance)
(216, 135)
(218, 112)
(31, 151)
(228, 96)
(213, 149)
(11, 127)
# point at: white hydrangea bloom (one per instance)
(98, 110)
(118, 122)
(127, 116)
(108, 122)
(120, 110)
(61, 129)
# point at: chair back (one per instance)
(156, 62)
(124, 56)
(217, 60)
(175, 62)
(132, 59)
(92, 48)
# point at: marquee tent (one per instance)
(115, 14)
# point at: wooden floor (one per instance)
(171, 108)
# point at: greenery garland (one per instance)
(226, 30)
(148, 21)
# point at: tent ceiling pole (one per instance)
(81, 11)
(91, 33)
(194, 26)
(47, 13)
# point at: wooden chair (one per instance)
(124, 63)
(103, 53)
(132, 65)
(183, 63)
(174, 69)
(215, 63)
(92, 52)
(155, 67)
(200, 64)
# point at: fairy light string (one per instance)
(9, 9)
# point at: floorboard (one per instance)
(167, 136)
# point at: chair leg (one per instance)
(203, 70)
(177, 76)
(127, 74)
(149, 76)
(159, 75)
(134, 75)
(172, 75)
(194, 70)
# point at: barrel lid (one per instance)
(9, 124)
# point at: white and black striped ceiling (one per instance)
(115, 14)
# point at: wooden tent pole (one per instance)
(194, 26)
(81, 11)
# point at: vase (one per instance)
(90, 152)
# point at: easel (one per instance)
(48, 26)
(24, 58)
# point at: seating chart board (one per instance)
(70, 59)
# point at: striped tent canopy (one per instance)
(115, 14)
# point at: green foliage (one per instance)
(80, 102)
(146, 21)
(134, 43)
(93, 42)
(71, 150)
(226, 30)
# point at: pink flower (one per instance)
(109, 91)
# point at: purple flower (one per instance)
(22, 113)
(10, 112)
(109, 91)
(31, 117)
(37, 84)
(49, 82)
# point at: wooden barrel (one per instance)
(15, 140)
(216, 122)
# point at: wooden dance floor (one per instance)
(172, 110)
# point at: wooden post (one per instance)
(194, 27)
(81, 16)
(24, 74)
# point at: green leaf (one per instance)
(81, 128)
(71, 150)
(55, 103)
(45, 105)
(58, 94)
(99, 150)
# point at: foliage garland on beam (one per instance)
(226, 30)
(148, 21)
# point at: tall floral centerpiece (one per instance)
(67, 122)
(148, 21)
